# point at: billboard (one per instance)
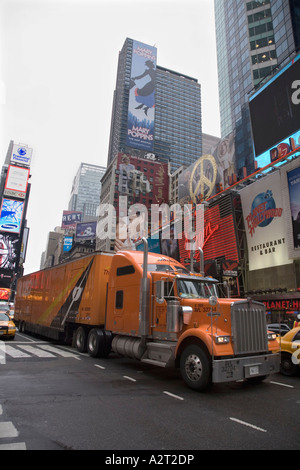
(9, 249)
(21, 155)
(210, 174)
(68, 242)
(140, 126)
(293, 179)
(16, 181)
(11, 215)
(70, 219)
(275, 108)
(219, 241)
(86, 231)
(264, 219)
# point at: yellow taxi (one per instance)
(290, 352)
(7, 327)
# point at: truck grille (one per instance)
(249, 327)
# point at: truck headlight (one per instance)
(271, 336)
(222, 339)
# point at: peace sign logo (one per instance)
(204, 175)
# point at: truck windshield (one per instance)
(194, 289)
(165, 268)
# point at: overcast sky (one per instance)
(58, 62)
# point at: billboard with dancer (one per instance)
(140, 129)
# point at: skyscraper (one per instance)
(253, 40)
(175, 107)
(86, 190)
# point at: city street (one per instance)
(53, 398)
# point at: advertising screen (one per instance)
(140, 129)
(293, 178)
(11, 215)
(275, 108)
(9, 249)
(16, 181)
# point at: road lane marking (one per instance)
(129, 378)
(248, 424)
(174, 396)
(100, 367)
(283, 385)
(1, 410)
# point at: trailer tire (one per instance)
(80, 340)
(96, 343)
(195, 367)
(108, 340)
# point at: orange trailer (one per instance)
(149, 307)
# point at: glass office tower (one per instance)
(86, 190)
(177, 121)
(253, 40)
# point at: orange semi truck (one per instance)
(149, 307)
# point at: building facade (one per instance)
(86, 190)
(253, 40)
(177, 111)
(138, 181)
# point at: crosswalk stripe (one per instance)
(13, 352)
(47, 347)
(36, 351)
(13, 446)
(7, 429)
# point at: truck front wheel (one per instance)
(195, 367)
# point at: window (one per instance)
(119, 299)
(125, 270)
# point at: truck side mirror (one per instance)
(213, 300)
(160, 287)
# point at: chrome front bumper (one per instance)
(228, 370)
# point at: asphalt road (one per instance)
(53, 398)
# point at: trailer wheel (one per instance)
(80, 341)
(96, 343)
(195, 367)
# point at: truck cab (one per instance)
(160, 313)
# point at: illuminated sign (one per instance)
(293, 178)
(11, 215)
(16, 182)
(68, 242)
(21, 155)
(275, 108)
(219, 235)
